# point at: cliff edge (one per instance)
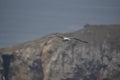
(91, 53)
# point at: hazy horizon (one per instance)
(24, 20)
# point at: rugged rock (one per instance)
(52, 58)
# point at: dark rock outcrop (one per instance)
(52, 58)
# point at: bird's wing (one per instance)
(80, 40)
(59, 36)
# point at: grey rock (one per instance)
(51, 58)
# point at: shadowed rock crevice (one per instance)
(6, 65)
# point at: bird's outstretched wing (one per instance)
(80, 40)
(60, 36)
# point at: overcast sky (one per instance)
(23, 20)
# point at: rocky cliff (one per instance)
(55, 58)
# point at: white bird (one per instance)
(70, 38)
(64, 38)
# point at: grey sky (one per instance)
(23, 20)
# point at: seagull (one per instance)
(70, 38)
(64, 38)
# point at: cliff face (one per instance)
(52, 58)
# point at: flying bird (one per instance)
(70, 38)
(64, 38)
